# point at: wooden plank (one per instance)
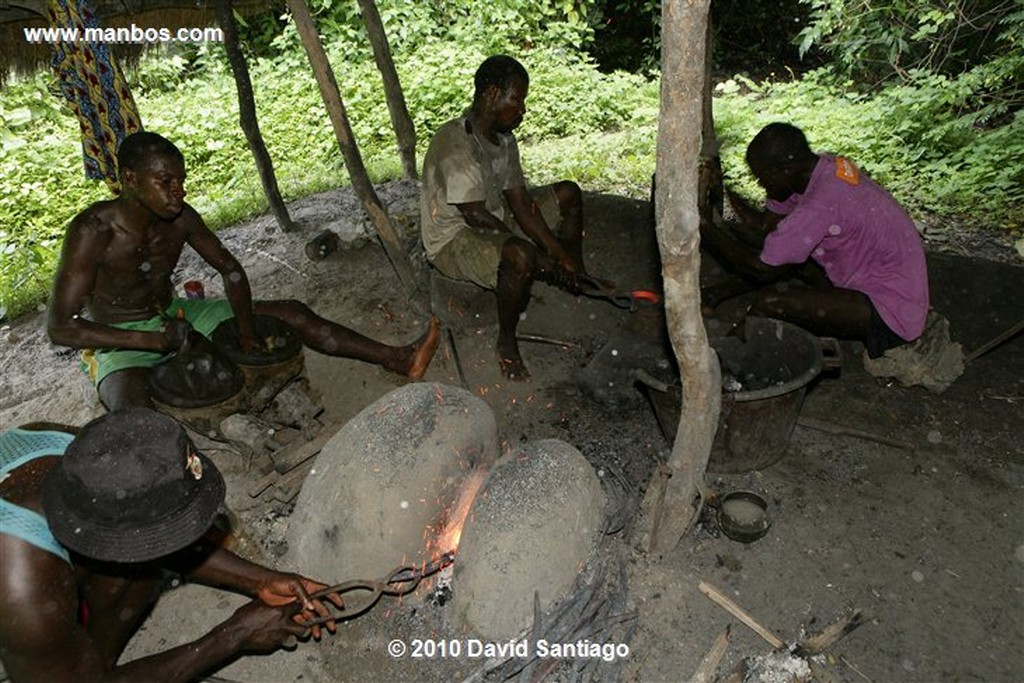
(297, 453)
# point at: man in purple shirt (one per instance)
(822, 208)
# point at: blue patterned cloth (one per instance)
(17, 447)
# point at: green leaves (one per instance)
(942, 141)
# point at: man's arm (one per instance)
(476, 215)
(529, 218)
(86, 241)
(220, 567)
(42, 639)
(236, 282)
(742, 258)
(761, 222)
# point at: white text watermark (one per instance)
(124, 35)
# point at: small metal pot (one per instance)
(743, 516)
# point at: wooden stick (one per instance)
(732, 608)
(263, 483)
(706, 671)
(289, 485)
(843, 430)
(848, 663)
(664, 474)
(304, 451)
(830, 635)
(288, 461)
(542, 339)
(455, 357)
(649, 380)
(999, 339)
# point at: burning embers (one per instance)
(446, 539)
(531, 527)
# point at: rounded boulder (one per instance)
(386, 479)
(533, 524)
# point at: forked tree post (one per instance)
(247, 114)
(675, 495)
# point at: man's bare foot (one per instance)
(513, 368)
(423, 350)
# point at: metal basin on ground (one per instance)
(765, 378)
(772, 369)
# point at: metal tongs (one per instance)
(599, 289)
(400, 581)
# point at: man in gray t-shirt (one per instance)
(480, 223)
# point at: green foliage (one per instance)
(930, 138)
(954, 109)
(159, 75)
(627, 34)
(746, 36)
(491, 27)
(42, 186)
(872, 40)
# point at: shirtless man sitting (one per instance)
(113, 293)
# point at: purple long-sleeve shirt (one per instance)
(861, 236)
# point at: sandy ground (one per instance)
(925, 539)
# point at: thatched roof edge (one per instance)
(17, 56)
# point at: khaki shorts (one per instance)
(474, 254)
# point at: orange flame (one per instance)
(451, 534)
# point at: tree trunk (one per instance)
(711, 193)
(343, 131)
(674, 497)
(247, 114)
(405, 132)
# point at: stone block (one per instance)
(385, 478)
(533, 525)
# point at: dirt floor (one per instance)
(924, 537)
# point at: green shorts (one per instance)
(204, 315)
(474, 253)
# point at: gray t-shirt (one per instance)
(461, 167)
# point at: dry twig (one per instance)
(713, 658)
(732, 608)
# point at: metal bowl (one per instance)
(282, 342)
(743, 516)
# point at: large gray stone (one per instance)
(385, 479)
(533, 525)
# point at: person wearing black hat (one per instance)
(90, 529)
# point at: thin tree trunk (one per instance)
(711, 195)
(343, 131)
(247, 114)
(675, 496)
(405, 132)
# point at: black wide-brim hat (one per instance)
(131, 487)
